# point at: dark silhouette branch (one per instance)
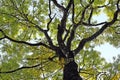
(102, 6)
(72, 32)
(50, 41)
(83, 13)
(51, 18)
(96, 34)
(25, 18)
(23, 42)
(90, 16)
(69, 4)
(62, 27)
(118, 4)
(58, 5)
(27, 43)
(73, 12)
(46, 34)
(67, 33)
(75, 25)
(72, 35)
(90, 24)
(24, 67)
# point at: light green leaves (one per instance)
(33, 21)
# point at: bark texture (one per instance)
(71, 71)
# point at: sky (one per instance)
(107, 51)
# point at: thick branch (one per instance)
(25, 17)
(45, 33)
(69, 4)
(62, 25)
(72, 35)
(96, 34)
(67, 33)
(50, 41)
(39, 28)
(23, 42)
(58, 5)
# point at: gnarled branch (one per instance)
(23, 42)
(96, 34)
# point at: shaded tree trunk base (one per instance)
(70, 71)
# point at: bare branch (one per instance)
(73, 12)
(36, 26)
(102, 5)
(83, 13)
(58, 5)
(46, 35)
(69, 4)
(24, 67)
(118, 4)
(23, 42)
(90, 24)
(72, 35)
(96, 34)
(51, 18)
(44, 31)
(67, 33)
(62, 26)
(90, 16)
(50, 41)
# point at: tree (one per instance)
(39, 33)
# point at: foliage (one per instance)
(31, 31)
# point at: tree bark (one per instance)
(70, 71)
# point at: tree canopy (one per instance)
(51, 39)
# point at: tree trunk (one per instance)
(70, 71)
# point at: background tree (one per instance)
(39, 38)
